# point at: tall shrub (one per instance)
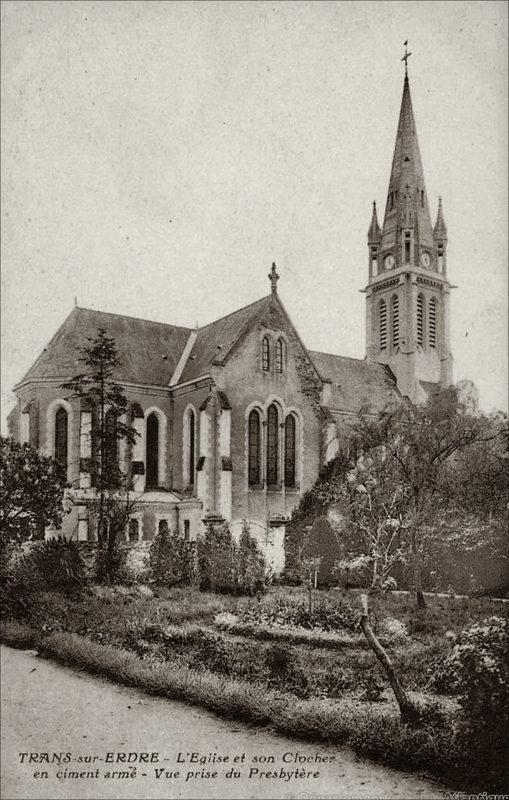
(217, 559)
(251, 565)
(171, 559)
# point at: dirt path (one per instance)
(50, 708)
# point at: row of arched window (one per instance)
(276, 457)
(280, 354)
(111, 443)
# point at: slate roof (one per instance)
(430, 388)
(148, 351)
(355, 383)
(214, 341)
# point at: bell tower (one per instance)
(407, 295)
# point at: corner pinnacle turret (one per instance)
(440, 229)
(374, 233)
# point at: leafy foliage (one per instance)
(326, 615)
(31, 492)
(97, 388)
(225, 566)
(217, 555)
(114, 503)
(477, 669)
(376, 503)
(171, 559)
(251, 566)
(56, 564)
(418, 442)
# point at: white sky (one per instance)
(157, 157)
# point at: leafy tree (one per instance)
(376, 502)
(322, 541)
(251, 566)
(171, 559)
(217, 557)
(31, 492)
(96, 387)
(419, 443)
(225, 566)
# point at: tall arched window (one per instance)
(382, 321)
(280, 355)
(192, 446)
(290, 450)
(432, 322)
(420, 319)
(265, 354)
(395, 321)
(61, 420)
(152, 453)
(254, 448)
(272, 446)
(110, 447)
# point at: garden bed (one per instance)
(246, 658)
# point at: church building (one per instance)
(235, 419)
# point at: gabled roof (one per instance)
(355, 383)
(148, 351)
(215, 341)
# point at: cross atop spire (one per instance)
(405, 58)
(273, 277)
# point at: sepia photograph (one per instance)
(254, 476)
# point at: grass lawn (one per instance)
(268, 661)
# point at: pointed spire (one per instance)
(407, 205)
(374, 233)
(440, 230)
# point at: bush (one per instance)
(225, 566)
(55, 564)
(477, 670)
(327, 615)
(171, 559)
(217, 553)
(251, 566)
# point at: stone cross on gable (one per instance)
(273, 277)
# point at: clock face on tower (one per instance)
(389, 261)
(425, 259)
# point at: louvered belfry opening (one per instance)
(395, 321)
(420, 320)
(382, 312)
(432, 322)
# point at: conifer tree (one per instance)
(96, 388)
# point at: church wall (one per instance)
(185, 398)
(247, 385)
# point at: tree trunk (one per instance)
(408, 711)
(421, 602)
